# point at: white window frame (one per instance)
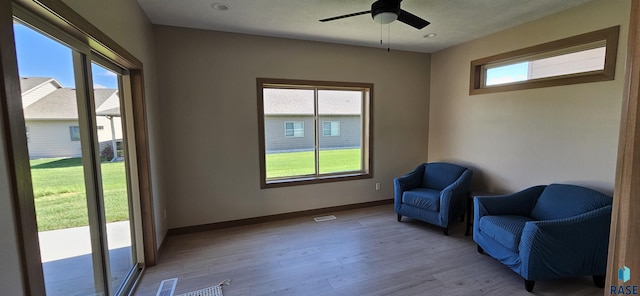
(331, 128)
(300, 130)
(74, 130)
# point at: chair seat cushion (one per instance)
(506, 229)
(423, 198)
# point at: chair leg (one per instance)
(399, 217)
(480, 250)
(445, 231)
(529, 285)
(598, 280)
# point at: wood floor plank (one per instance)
(362, 252)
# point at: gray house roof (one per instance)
(61, 103)
(300, 102)
(29, 83)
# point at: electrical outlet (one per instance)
(377, 186)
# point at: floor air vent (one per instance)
(167, 287)
(324, 218)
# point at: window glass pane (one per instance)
(340, 112)
(326, 128)
(290, 154)
(507, 74)
(563, 62)
(74, 131)
(326, 131)
(113, 165)
(557, 65)
(50, 112)
(330, 128)
(288, 129)
(294, 129)
(571, 63)
(583, 58)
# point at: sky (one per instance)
(506, 74)
(41, 56)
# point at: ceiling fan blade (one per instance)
(345, 16)
(412, 20)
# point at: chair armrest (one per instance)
(455, 194)
(519, 203)
(461, 185)
(572, 244)
(409, 181)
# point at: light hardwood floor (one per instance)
(363, 252)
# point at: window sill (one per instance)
(315, 180)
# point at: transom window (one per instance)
(583, 58)
(326, 131)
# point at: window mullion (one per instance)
(316, 133)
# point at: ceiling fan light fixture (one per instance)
(385, 17)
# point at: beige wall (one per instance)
(522, 138)
(208, 104)
(126, 23)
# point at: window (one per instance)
(579, 59)
(74, 131)
(331, 128)
(321, 109)
(294, 129)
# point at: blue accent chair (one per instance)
(435, 193)
(546, 232)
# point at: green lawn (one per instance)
(302, 163)
(60, 199)
(59, 191)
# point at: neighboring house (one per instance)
(289, 124)
(51, 118)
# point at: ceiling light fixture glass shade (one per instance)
(385, 17)
(220, 6)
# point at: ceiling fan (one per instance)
(387, 11)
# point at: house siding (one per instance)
(104, 134)
(51, 138)
(350, 132)
(275, 140)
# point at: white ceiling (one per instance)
(454, 21)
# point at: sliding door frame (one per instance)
(625, 223)
(15, 137)
(61, 17)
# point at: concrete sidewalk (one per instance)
(74, 242)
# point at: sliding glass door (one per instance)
(81, 179)
(49, 99)
(107, 87)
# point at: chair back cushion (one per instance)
(559, 201)
(438, 175)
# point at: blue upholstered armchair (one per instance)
(546, 232)
(435, 193)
